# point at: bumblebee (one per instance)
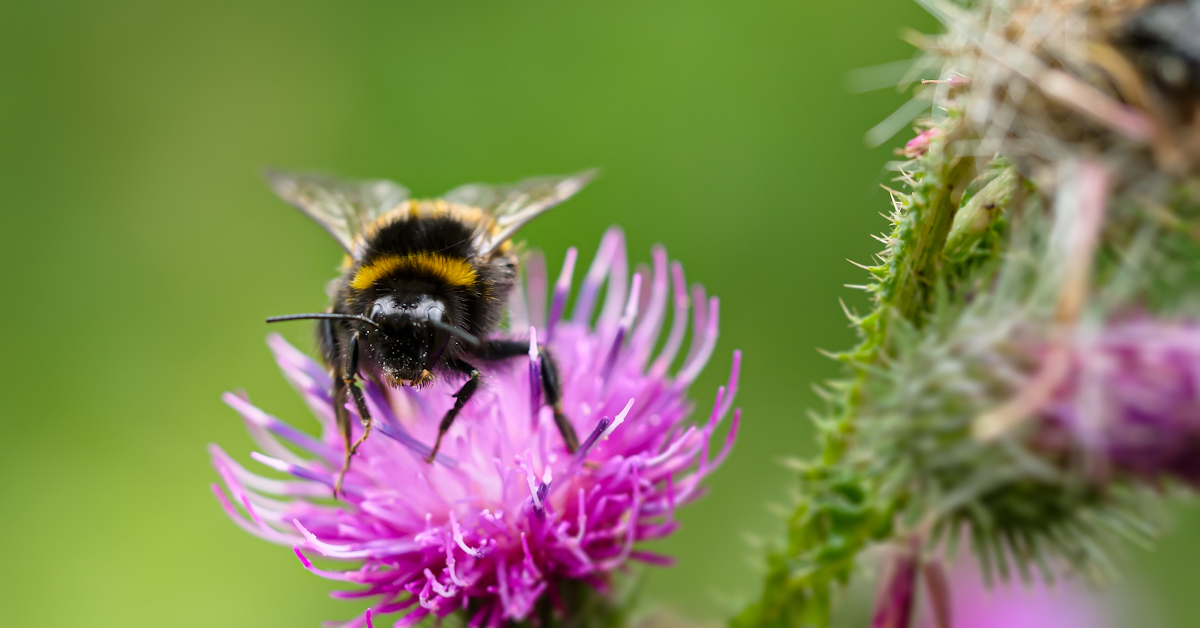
(423, 287)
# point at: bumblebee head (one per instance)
(410, 335)
(405, 335)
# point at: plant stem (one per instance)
(922, 235)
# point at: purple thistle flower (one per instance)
(1130, 397)
(1007, 604)
(970, 602)
(1035, 606)
(504, 513)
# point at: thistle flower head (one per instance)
(505, 516)
(1052, 185)
(1131, 398)
(961, 597)
(1034, 603)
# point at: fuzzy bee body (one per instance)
(416, 257)
(424, 285)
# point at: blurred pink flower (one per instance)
(919, 145)
(1016, 605)
(505, 513)
(1131, 399)
(963, 600)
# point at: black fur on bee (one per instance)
(424, 287)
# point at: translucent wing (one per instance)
(513, 206)
(343, 208)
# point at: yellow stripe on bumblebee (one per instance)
(454, 271)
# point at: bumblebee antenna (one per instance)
(466, 337)
(323, 316)
(454, 331)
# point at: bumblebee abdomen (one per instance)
(416, 226)
(436, 248)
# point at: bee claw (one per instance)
(337, 486)
(433, 452)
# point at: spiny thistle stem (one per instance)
(840, 513)
(922, 236)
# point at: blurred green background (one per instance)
(141, 251)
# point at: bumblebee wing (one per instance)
(513, 206)
(344, 208)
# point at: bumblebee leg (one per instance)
(460, 399)
(349, 377)
(327, 340)
(553, 390)
(343, 424)
(506, 349)
(361, 403)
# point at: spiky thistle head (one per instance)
(1048, 200)
(1128, 402)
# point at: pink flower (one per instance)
(964, 600)
(1013, 604)
(1065, 604)
(505, 514)
(1131, 398)
(919, 145)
